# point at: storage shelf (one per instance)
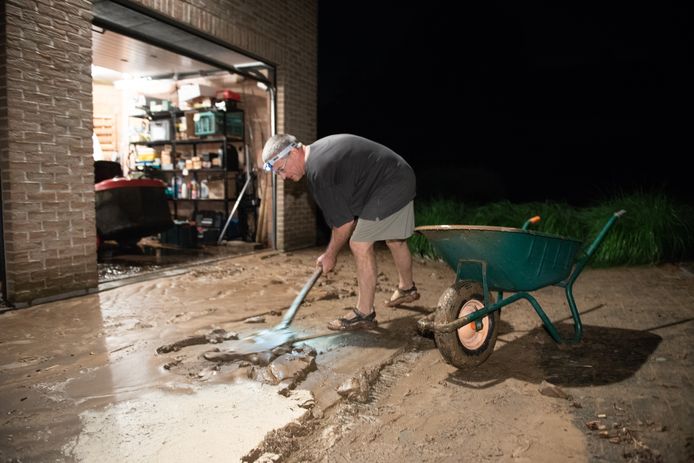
(207, 199)
(198, 141)
(177, 171)
(184, 142)
(159, 115)
(227, 135)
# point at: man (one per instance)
(366, 193)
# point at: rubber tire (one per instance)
(450, 347)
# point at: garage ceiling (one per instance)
(117, 52)
(129, 38)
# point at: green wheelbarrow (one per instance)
(499, 259)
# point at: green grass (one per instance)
(655, 228)
(434, 212)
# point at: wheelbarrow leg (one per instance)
(549, 326)
(578, 326)
(568, 284)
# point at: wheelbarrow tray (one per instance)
(515, 259)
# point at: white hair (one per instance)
(277, 143)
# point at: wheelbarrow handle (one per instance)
(594, 245)
(531, 220)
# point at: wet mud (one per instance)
(152, 371)
(213, 337)
(285, 365)
(533, 400)
(68, 367)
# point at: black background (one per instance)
(513, 100)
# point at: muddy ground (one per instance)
(143, 372)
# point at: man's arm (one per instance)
(339, 236)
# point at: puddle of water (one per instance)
(115, 263)
(120, 379)
(220, 422)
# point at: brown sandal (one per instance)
(403, 296)
(358, 322)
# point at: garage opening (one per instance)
(179, 124)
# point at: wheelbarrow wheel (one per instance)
(465, 347)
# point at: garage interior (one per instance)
(186, 112)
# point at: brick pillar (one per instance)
(46, 150)
(296, 103)
(296, 221)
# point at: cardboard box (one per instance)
(166, 158)
(216, 187)
(159, 130)
(190, 124)
(190, 91)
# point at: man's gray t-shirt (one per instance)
(350, 176)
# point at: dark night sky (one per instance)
(514, 100)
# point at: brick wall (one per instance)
(3, 131)
(284, 33)
(46, 151)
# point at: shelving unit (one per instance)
(189, 148)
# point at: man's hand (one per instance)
(327, 261)
(339, 236)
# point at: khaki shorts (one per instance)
(397, 226)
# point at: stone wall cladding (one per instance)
(46, 150)
(284, 33)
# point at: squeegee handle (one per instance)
(289, 316)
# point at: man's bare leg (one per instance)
(365, 258)
(403, 262)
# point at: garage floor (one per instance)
(149, 256)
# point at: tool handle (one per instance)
(289, 316)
